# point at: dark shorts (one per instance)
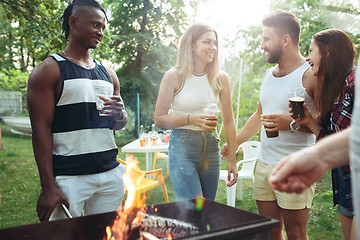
(343, 207)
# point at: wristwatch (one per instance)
(124, 116)
(294, 126)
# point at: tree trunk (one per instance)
(33, 61)
(22, 61)
(10, 48)
(140, 49)
(139, 55)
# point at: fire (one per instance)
(132, 178)
(108, 233)
(134, 208)
(132, 222)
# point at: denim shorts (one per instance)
(194, 163)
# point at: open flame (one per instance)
(132, 178)
(134, 209)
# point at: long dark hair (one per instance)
(337, 62)
(69, 10)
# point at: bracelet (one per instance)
(188, 119)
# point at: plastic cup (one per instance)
(212, 109)
(104, 92)
(296, 99)
(144, 140)
(271, 134)
(153, 140)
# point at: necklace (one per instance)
(199, 74)
(87, 65)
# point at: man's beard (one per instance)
(275, 55)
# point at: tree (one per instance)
(144, 35)
(30, 31)
(141, 41)
(317, 15)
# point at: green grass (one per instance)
(19, 189)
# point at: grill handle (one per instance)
(66, 210)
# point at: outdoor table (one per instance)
(134, 147)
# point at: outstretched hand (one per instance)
(297, 172)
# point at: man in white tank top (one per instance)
(298, 171)
(281, 44)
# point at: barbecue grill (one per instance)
(214, 220)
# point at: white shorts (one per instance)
(91, 194)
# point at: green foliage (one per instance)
(318, 15)
(30, 31)
(15, 80)
(144, 36)
(140, 43)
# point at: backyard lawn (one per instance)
(19, 188)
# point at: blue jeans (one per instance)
(194, 163)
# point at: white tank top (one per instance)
(274, 99)
(193, 98)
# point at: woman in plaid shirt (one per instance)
(331, 56)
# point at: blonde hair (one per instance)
(184, 64)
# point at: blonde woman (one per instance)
(194, 151)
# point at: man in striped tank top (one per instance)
(73, 145)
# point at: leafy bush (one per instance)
(15, 80)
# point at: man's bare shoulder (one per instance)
(113, 76)
(111, 71)
(46, 70)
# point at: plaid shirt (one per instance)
(336, 120)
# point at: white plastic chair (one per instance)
(250, 153)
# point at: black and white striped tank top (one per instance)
(83, 141)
